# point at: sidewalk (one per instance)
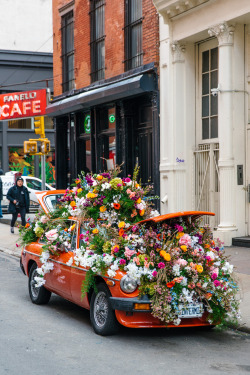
(239, 257)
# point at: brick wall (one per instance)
(114, 40)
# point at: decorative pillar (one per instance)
(178, 196)
(225, 35)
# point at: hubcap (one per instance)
(101, 309)
(34, 289)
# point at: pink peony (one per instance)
(128, 253)
(154, 273)
(214, 276)
(51, 235)
(185, 240)
(122, 261)
(182, 262)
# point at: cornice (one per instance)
(173, 8)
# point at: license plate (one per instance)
(191, 311)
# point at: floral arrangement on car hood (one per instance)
(175, 262)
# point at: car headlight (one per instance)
(127, 284)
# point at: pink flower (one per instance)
(161, 265)
(81, 237)
(185, 240)
(17, 245)
(122, 261)
(128, 253)
(182, 262)
(216, 283)
(154, 273)
(51, 235)
(214, 276)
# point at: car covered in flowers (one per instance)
(102, 246)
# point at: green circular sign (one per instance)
(111, 118)
(87, 125)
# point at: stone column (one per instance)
(179, 129)
(225, 33)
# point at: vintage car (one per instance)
(113, 300)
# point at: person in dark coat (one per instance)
(18, 196)
(1, 193)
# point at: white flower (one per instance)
(176, 270)
(39, 281)
(111, 273)
(105, 186)
(184, 281)
(177, 321)
(227, 267)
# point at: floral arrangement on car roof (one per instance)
(175, 262)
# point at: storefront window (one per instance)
(20, 124)
(107, 138)
(20, 162)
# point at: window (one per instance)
(84, 142)
(97, 44)
(133, 34)
(209, 104)
(68, 51)
(20, 124)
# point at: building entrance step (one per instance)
(241, 241)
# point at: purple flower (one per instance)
(161, 265)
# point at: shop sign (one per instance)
(23, 104)
(87, 125)
(111, 118)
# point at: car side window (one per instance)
(83, 231)
(33, 184)
(52, 202)
(74, 237)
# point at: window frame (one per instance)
(67, 20)
(202, 47)
(97, 72)
(128, 31)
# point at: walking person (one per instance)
(1, 193)
(18, 196)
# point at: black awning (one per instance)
(105, 94)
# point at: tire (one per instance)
(102, 316)
(38, 295)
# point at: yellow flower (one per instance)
(121, 224)
(142, 212)
(184, 248)
(199, 268)
(103, 208)
(91, 195)
(79, 190)
(179, 235)
(138, 200)
(99, 177)
(77, 181)
(73, 203)
(95, 231)
(165, 255)
(72, 227)
(137, 186)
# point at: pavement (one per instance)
(238, 256)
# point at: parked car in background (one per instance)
(33, 185)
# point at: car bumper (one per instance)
(131, 304)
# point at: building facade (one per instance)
(204, 85)
(26, 63)
(106, 103)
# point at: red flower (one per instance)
(171, 284)
(121, 232)
(116, 206)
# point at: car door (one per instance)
(59, 279)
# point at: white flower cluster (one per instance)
(45, 268)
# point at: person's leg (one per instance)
(13, 220)
(23, 213)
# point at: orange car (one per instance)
(115, 300)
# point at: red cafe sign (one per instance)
(23, 104)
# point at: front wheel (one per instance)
(102, 316)
(38, 295)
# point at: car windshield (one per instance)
(52, 202)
